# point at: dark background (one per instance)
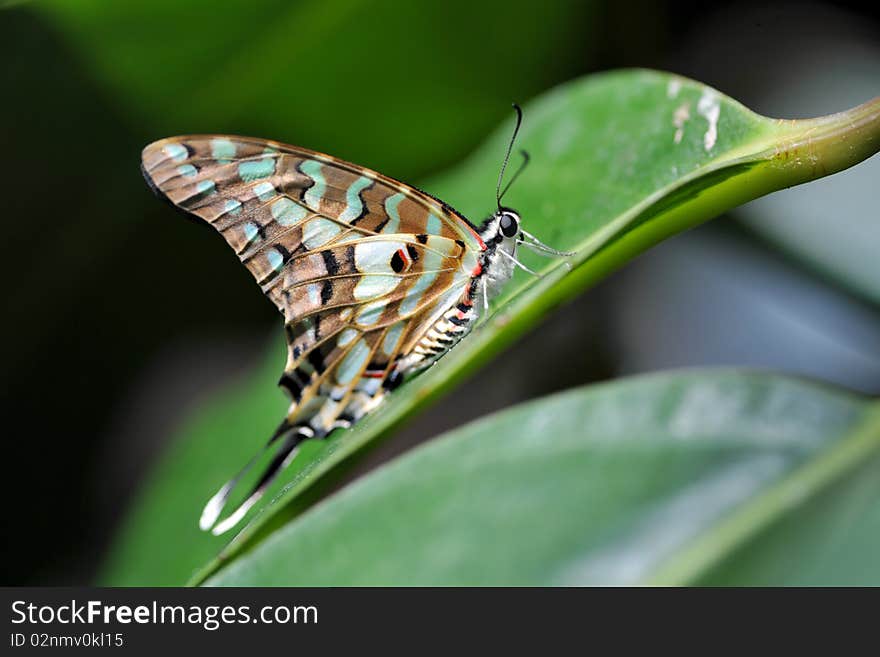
(120, 317)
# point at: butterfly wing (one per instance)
(359, 264)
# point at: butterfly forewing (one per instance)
(260, 193)
(357, 262)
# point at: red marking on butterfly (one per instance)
(407, 261)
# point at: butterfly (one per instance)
(375, 278)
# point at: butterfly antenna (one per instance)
(526, 159)
(498, 192)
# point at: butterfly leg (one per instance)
(486, 296)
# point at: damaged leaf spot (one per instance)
(681, 115)
(709, 108)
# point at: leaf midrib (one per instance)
(803, 484)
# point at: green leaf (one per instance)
(646, 480)
(609, 178)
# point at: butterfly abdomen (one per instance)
(442, 336)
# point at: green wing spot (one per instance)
(256, 169)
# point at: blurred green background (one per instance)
(122, 317)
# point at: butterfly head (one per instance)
(502, 230)
(501, 234)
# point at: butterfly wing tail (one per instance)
(290, 437)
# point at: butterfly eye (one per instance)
(509, 225)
